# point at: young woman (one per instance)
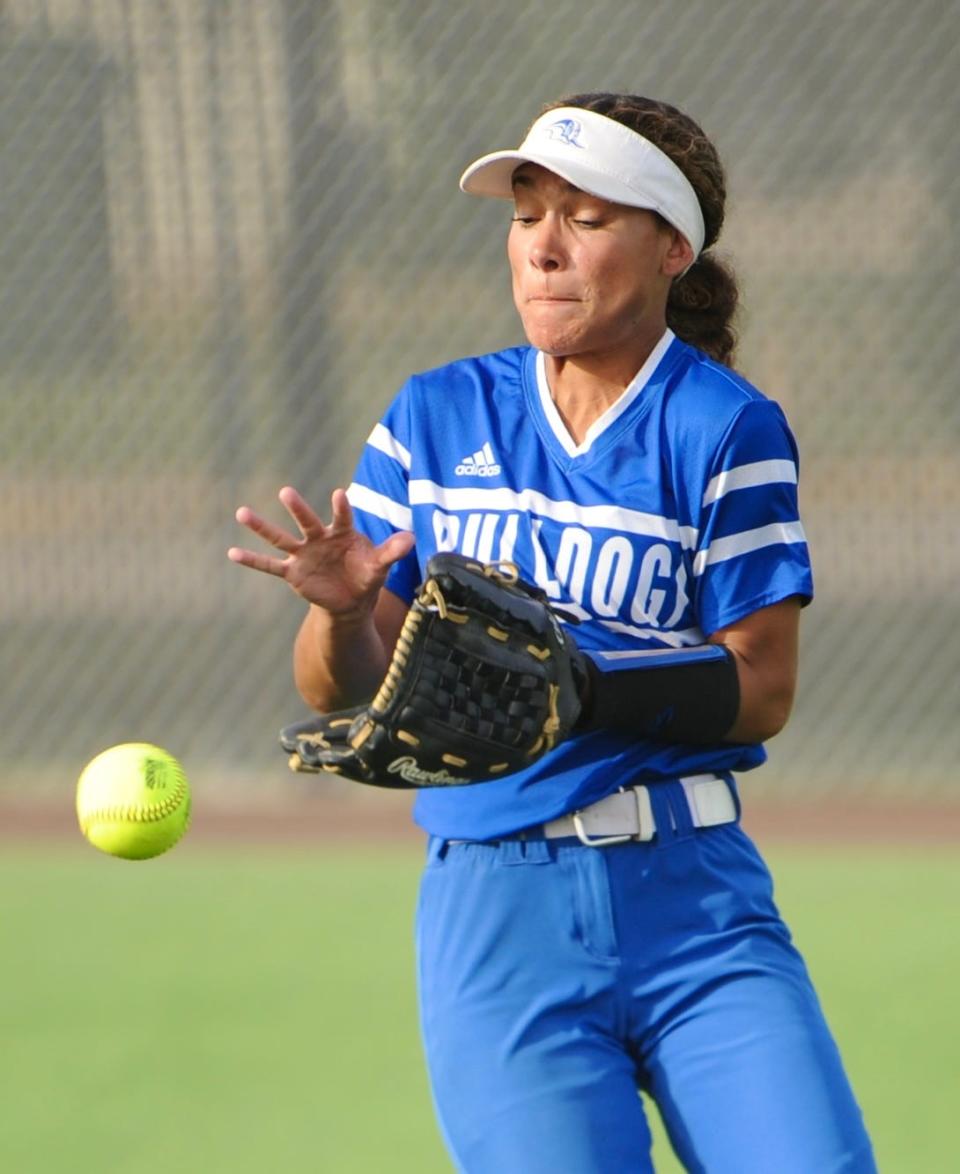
(599, 922)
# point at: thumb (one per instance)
(394, 548)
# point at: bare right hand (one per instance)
(334, 567)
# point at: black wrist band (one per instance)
(687, 695)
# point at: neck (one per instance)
(583, 387)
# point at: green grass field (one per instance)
(252, 1009)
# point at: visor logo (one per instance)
(566, 130)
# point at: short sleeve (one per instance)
(751, 548)
(379, 493)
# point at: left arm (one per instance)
(738, 687)
(764, 645)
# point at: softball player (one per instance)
(599, 922)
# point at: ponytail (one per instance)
(701, 308)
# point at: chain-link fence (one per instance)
(230, 228)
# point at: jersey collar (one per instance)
(630, 393)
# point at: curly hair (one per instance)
(703, 302)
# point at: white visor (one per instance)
(600, 156)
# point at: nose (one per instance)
(546, 245)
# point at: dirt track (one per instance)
(380, 819)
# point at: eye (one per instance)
(586, 222)
(525, 220)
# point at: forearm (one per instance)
(737, 688)
(338, 660)
(673, 695)
(766, 699)
(345, 642)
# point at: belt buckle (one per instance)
(597, 841)
(644, 822)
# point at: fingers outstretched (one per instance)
(332, 566)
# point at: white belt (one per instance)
(628, 814)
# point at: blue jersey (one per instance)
(676, 516)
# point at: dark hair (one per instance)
(703, 302)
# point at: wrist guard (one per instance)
(671, 695)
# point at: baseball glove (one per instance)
(483, 682)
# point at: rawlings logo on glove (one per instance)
(483, 682)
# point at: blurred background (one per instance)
(229, 230)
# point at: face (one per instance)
(589, 277)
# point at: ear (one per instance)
(679, 255)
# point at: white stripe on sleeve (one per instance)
(747, 476)
(721, 549)
(383, 439)
(380, 506)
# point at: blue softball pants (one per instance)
(556, 979)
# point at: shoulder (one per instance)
(496, 370)
(446, 412)
(706, 389)
(707, 403)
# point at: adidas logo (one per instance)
(482, 463)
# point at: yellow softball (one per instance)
(133, 800)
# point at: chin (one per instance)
(550, 333)
(551, 342)
(553, 347)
